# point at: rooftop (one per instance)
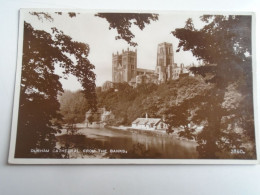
(145, 121)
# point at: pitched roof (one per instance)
(145, 70)
(133, 80)
(146, 121)
(98, 111)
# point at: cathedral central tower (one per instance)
(164, 61)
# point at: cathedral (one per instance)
(165, 66)
(124, 67)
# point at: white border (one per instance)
(13, 160)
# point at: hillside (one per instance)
(129, 103)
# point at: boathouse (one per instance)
(149, 124)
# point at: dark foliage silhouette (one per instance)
(225, 43)
(122, 22)
(40, 86)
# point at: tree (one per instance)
(73, 107)
(40, 86)
(128, 103)
(122, 22)
(185, 95)
(42, 52)
(225, 43)
(176, 116)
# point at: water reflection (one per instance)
(124, 144)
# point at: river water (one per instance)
(113, 143)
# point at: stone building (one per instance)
(178, 72)
(164, 61)
(149, 124)
(99, 118)
(107, 85)
(124, 67)
(147, 78)
(165, 67)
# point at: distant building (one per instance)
(124, 67)
(147, 78)
(149, 124)
(164, 61)
(107, 116)
(165, 67)
(92, 116)
(98, 89)
(98, 118)
(107, 85)
(142, 71)
(179, 72)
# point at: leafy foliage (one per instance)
(225, 43)
(122, 22)
(224, 40)
(42, 15)
(129, 103)
(47, 16)
(40, 86)
(73, 107)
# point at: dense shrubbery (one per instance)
(129, 103)
(184, 104)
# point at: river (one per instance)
(114, 143)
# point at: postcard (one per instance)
(137, 87)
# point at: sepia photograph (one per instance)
(95, 87)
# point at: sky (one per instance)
(94, 31)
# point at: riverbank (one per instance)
(125, 128)
(135, 144)
(154, 133)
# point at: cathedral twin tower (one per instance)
(124, 67)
